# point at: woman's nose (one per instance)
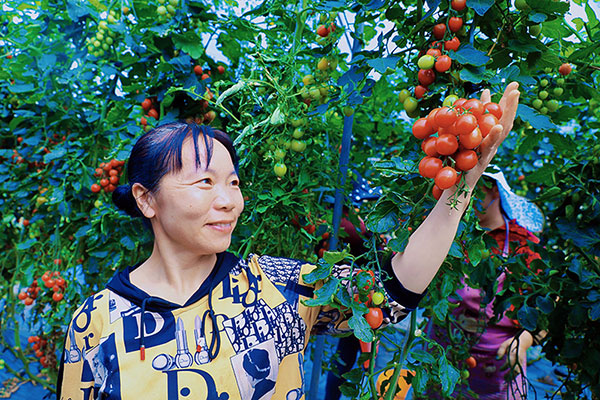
(225, 198)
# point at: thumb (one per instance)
(502, 349)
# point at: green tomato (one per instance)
(377, 298)
(109, 41)
(544, 82)
(560, 81)
(569, 210)
(547, 70)
(403, 95)
(298, 145)
(348, 111)
(537, 104)
(111, 19)
(97, 44)
(105, 46)
(279, 154)
(426, 62)
(298, 122)
(521, 5)
(97, 204)
(170, 9)
(102, 25)
(410, 104)
(465, 374)
(174, 3)
(99, 36)
(298, 133)
(449, 100)
(535, 30)
(544, 110)
(543, 95)
(161, 10)
(280, 169)
(558, 91)
(552, 105)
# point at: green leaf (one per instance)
(441, 309)
(480, 6)
(543, 175)
(474, 75)
(361, 328)
(334, 257)
(545, 304)
(594, 312)
(537, 120)
(423, 356)
(455, 251)
(350, 389)
(230, 92)
(128, 243)
(474, 252)
(27, 244)
(322, 271)
(189, 42)
(467, 54)
(324, 295)
(420, 380)
(354, 376)
(381, 65)
(528, 317)
(277, 118)
(57, 152)
(398, 243)
(449, 375)
(548, 194)
(21, 88)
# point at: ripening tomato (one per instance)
(378, 298)
(426, 77)
(445, 178)
(422, 129)
(439, 30)
(420, 91)
(428, 146)
(465, 160)
(446, 144)
(455, 23)
(445, 117)
(434, 52)
(475, 106)
(452, 44)
(493, 108)
(565, 69)
(436, 192)
(429, 166)
(472, 139)
(471, 362)
(322, 31)
(443, 63)
(410, 104)
(458, 5)
(486, 123)
(374, 317)
(465, 123)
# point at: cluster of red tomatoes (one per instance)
(52, 280)
(364, 280)
(451, 137)
(149, 106)
(110, 173)
(39, 346)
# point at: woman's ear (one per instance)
(144, 200)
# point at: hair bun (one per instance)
(124, 200)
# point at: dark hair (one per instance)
(158, 153)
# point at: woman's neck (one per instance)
(173, 275)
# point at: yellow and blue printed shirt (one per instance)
(255, 352)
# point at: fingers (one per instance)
(502, 349)
(492, 141)
(486, 97)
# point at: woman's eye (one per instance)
(205, 181)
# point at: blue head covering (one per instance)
(516, 207)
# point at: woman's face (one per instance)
(198, 208)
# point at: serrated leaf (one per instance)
(420, 380)
(334, 257)
(528, 317)
(189, 42)
(542, 175)
(128, 243)
(480, 6)
(449, 376)
(57, 152)
(441, 309)
(321, 271)
(473, 75)
(537, 120)
(324, 295)
(361, 328)
(381, 65)
(467, 54)
(423, 356)
(545, 304)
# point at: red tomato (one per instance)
(104, 182)
(422, 129)
(374, 317)
(452, 44)
(428, 146)
(446, 144)
(475, 106)
(486, 123)
(146, 104)
(472, 139)
(455, 23)
(445, 117)
(436, 192)
(426, 77)
(322, 31)
(471, 362)
(197, 71)
(431, 119)
(493, 108)
(22, 295)
(153, 113)
(95, 188)
(445, 178)
(465, 160)
(57, 296)
(443, 63)
(429, 166)
(434, 52)
(465, 123)
(565, 69)
(458, 5)
(420, 91)
(221, 69)
(439, 30)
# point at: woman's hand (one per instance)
(489, 145)
(516, 348)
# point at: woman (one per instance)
(194, 321)
(509, 219)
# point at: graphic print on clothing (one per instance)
(158, 328)
(260, 323)
(256, 371)
(102, 366)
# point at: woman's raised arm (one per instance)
(428, 246)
